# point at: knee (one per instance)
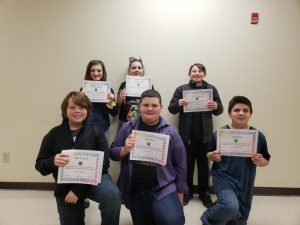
(231, 208)
(112, 196)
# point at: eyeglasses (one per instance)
(132, 59)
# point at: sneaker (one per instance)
(86, 203)
(206, 200)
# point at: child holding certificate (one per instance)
(233, 176)
(128, 105)
(195, 127)
(75, 133)
(96, 71)
(153, 192)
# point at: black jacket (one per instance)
(60, 138)
(186, 119)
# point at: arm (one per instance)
(179, 163)
(45, 160)
(111, 105)
(213, 154)
(175, 104)
(119, 149)
(262, 157)
(259, 160)
(121, 94)
(216, 104)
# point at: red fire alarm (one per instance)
(254, 18)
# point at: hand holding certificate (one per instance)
(84, 167)
(136, 85)
(197, 99)
(97, 91)
(151, 147)
(237, 142)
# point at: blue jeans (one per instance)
(228, 208)
(146, 210)
(106, 194)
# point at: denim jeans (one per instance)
(227, 210)
(146, 210)
(106, 194)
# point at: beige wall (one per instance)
(45, 46)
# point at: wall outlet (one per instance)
(6, 157)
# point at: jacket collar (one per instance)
(193, 85)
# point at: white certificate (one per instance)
(237, 142)
(136, 85)
(197, 99)
(84, 167)
(151, 147)
(97, 91)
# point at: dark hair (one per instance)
(151, 94)
(79, 98)
(199, 65)
(239, 99)
(132, 60)
(89, 67)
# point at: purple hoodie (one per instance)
(171, 177)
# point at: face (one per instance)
(96, 72)
(76, 114)
(150, 110)
(240, 116)
(196, 75)
(136, 69)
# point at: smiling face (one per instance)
(240, 115)
(136, 69)
(76, 114)
(96, 72)
(150, 109)
(196, 75)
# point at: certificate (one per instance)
(97, 91)
(136, 85)
(237, 142)
(197, 99)
(84, 167)
(151, 147)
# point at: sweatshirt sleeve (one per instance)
(179, 162)
(174, 108)
(119, 142)
(45, 160)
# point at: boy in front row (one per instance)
(233, 177)
(75, 133)
(152, 192)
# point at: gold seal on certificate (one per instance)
(197, 99)
(237, 142)
(150, 147)
(84, 167)
(136, 85)
(97, 91)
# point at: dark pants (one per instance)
(106, 194)
(196, 152)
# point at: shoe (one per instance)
(186, 199)
(206, 200)
(86, 203)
